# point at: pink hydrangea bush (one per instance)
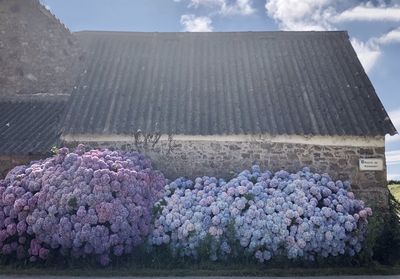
(79, 204)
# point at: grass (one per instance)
(395, 190)
(199, 270)
(160, 265)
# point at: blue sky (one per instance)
(374, 28)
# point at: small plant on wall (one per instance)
(146, 141)
(151, 141)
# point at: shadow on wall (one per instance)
(225, 158)
(8, 162)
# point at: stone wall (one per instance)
(38, 54)
(7, 162)
(224, 159)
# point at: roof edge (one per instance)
(344, 32)
(322, 140)
(389, 126)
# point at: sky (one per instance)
(373, 26)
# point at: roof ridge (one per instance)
(49, 14)
(221, 32)
(34, 98)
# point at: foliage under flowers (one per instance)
(83, 203)
(293, 215)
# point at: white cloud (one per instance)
(393, 157)
(319, 15)
(300, 15)
(391, 139)
(206, 3)
(389, 38)
(240, 7)
(393, 176)
(224, 7)
(367, 52)
(395, 117)
(369, 13)
(191, 23)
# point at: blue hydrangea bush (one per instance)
(104, 204)
(265, 215)
(96, 203)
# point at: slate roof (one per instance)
(29, 126)
(304, 83)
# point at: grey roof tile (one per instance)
(29, 126)
(306, 83)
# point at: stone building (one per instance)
(215, 103)
(37, 52)
(39, 63)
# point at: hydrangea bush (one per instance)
(78, 203)
(298, 215)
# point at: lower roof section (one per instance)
(29, 126)
(355, 141)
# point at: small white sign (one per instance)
(371, 164)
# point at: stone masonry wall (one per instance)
(7, 162)
(38, 54)
(223, 159)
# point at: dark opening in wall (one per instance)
(19, 71)
(15, 8)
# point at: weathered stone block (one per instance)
(230, 157)
(8, 162)
(366, 151)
